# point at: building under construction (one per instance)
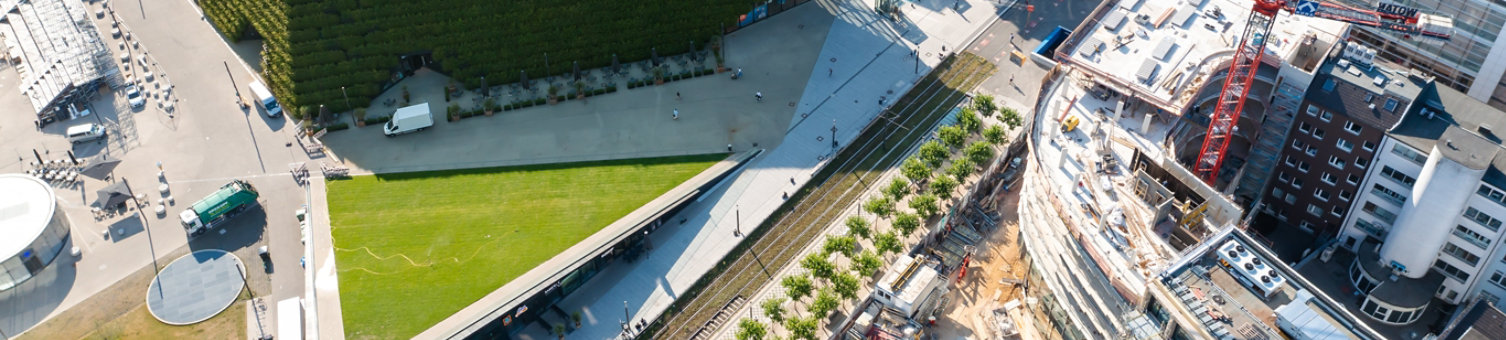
(58, 53)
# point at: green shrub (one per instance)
(337, 127)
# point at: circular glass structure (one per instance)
(33, 230)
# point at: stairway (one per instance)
(1265, 150)
(708, 330)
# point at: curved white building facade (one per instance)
(33, 231)
(1425, 220)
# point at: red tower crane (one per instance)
(1231, 99)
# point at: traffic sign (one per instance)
(1307, 7)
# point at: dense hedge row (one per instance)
(314, 47)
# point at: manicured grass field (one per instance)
(413, 248)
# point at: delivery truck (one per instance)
(230, 200)
(409, 119)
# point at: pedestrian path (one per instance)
(873, 59)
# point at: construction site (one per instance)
(1147, 158)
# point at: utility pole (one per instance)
(834, 137)
(232, 82)
(737, 219)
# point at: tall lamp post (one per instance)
(834, 137)
(149, 244)
(232, 82)
(737, 219)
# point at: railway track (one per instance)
(880, 146)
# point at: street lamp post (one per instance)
(347, 99)
(232, 82)
(737, 219)
(834, 136)
(149, 244)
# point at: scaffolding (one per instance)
(57, 51)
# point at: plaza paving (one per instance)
(195, 287)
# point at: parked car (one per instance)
(133, 95)
(85, 132)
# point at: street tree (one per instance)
(1010, 116)
(952, 136)
(968, 120)
(867, 263)
(774, 308)
(859, 226)
(961, 168)
(994, 134)
(985, 104)
(979, 152)
(925, 205)
(942, 187)
(915, 170)
(825, 302)
(818, 265)
(879, 205)
(887, 243)
(906, 223)
(750, 329)
(803, 328)
(797, 286)
(933, 153)
(845, 285)
(897, 189)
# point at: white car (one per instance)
(133, 95)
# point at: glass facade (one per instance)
(21, 266)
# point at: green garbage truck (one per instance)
(230, 200)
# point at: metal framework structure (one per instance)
(1231, 99)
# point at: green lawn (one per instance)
(413, 248)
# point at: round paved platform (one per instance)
(195, 287)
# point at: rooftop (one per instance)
(1165, 50)
(1375, 95)
(1212, 287)
(1332, 278)
(1402, 292)
(25, 210)
(1481, 321)
(1445, 114)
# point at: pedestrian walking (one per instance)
(677, 95)
(828, 72)
(1011, 80)
(729, 147)
(676, 114)
(758, 95)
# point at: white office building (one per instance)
(1428, 217)
(1471, 62)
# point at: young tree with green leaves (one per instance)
(979, 152)
(859, 226)
(797, 286)
(866, 263)
(774, 308)
(906, 223)
(961, 168)
(915, 170)
(825, 302)
(887, 243)
(994, 134)
(942, 187)
(952, 136)
(801, 328)
(750, 329)
(1010, 116)
(968, 120)
(845, 244)
(897, 189)
(925, 205)
(818, 265)
(933, 153)
(880, 205)
(985, 104)
(845, 285)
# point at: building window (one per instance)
(1302, 167)
(1361, 162)
(1483, 219)
(1305, 225)
(1277, 192)
(1337, 211)
(1283, 177)
(1352, 128)
(1304, 127)
(1291, 199)
(1315, 210)
(1326, 116)
(1336, 162)
(1381, 213)
(1319, 133)
(1472, 236)
(1368, 146)
(1460, 253)
(1330, 178)
(1298, 144)
(1408, 153)
(1353, 179)
(1321, 194)
(1345, 195)
(1312, 151)
(1370, 227)
(1391, 104)
(1398, 176)
(1492, 298)
(1345, 145)
(1297, 183)
(1313, 110)
(1388, 194)
(1493, 194)
(1291, 161)
(1451, 270)
(1498, 279)
(1327, 86)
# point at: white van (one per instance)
(265, 99)
(409, 119)
(290, 318)
(85, 132)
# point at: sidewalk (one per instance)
(874, 59)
